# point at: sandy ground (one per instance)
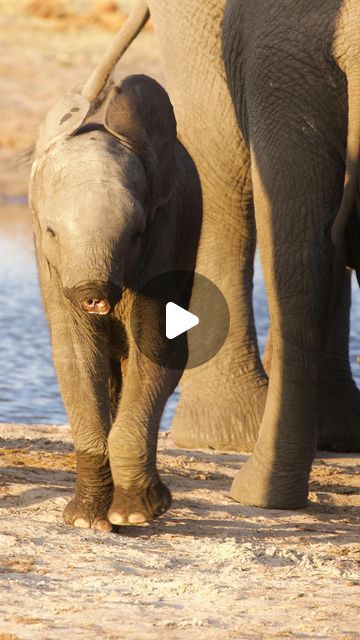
(210, 568)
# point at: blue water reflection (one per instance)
(28, 388)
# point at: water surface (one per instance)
(28, 388)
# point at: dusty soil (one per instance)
(209, 568)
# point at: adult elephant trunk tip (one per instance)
(352, 156)
(137, 18)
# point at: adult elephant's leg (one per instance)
(339, 409)
(298, 176)
(297, 268)
(221, 402)
(294, 114)
(339, 414)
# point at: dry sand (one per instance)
(210, 568)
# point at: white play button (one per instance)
(178, 320)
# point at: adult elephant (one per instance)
(294, 75)
(222, 402)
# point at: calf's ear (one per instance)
(65, 117)
(62, 121)
(140, 114)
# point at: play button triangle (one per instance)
(178, 320)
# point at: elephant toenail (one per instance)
(117, 518)
(103, 525)
(82, 523)
(137, 518)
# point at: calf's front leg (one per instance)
(139, 493)
(80, 352)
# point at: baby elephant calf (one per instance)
(116, 201)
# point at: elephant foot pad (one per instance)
(134, 507)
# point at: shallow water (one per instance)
(28, 387)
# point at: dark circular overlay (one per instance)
(192, 292)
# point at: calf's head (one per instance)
(96, 187)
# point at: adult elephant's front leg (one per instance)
(297, 258)
(139, 493)
(339, 408)
(295, 117)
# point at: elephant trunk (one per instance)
(92, 275)
(128, 32)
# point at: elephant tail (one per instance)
(128, 32)
(352, 157)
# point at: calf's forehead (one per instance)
(89, 189)
(92, 161)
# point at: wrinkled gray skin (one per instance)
(294, 74)
(222, 402)
(113, 207)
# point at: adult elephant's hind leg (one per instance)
(296, 125)
(222, 401)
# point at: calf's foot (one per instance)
(88, 512)
(136, 506)
(93, 494)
